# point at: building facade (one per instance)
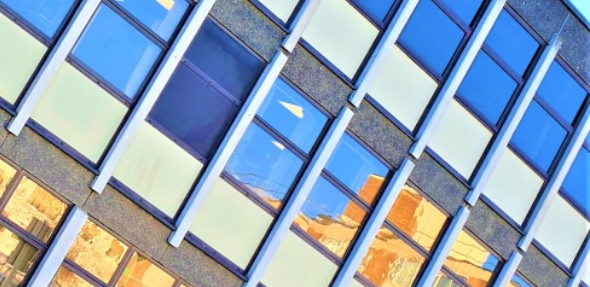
(294, 143)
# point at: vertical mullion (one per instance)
(582, 266)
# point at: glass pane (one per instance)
(19, 57)
(402, 88)
(562, 92)
(292, 115)
(434, 47)
(460, 139)
(227, 217)
(117, 51)
(161, 16)
(357, 168)
(79, 112)
(7, 172)
(471, 261)
(377, 9)
(140, 272)
(297, 264)
(157, 169)
(577, 183)
(281, 8)
(45, 15)
(487, 88)
(390, 261)
(518, 282)
(344, 38)
(34, 209)
(442, 280)
(416, 217)
(330, 217)
(67, 278)
(192, 110)
(264, 165)
(512, 43)
(465, 10)
(539, 136)
(16, 258)
(97, 251)
(223, 59)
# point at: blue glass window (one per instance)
(487, 88)
(512, 43)
(357, 168)
(116, 51)
(377, 9)
(162, 17)
(562, 92)
(193, 110)
(539, 136)
(264, 165)
(292, 116)
(465, 10)
(518, 282)
(577, 183)
(431, 36)
(46, 15)
(224, 60)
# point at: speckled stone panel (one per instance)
(4, 119)
(128, 220)
(316, 80)
(49, 164)
(494, 231)
(540, 270)
(250, 25)
(546, 17)
(438, 183)
(197, 268)
(380, 134)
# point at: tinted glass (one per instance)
(45, 15)
(518, 282)
(67, 278)
(442, 280)
(431, 36)
(512, 43)
(116, 51)
(16, 258)
(465, 10)
(577, 183)
(562, 92)
(7, 172)
(161, 16)
(487, 88)
(471, 261)
(265, 165)
(357, 168)
(140, 272)
(224, 60)
(377, 9)
(193, 110)
(292, 115)
(539, 136)
(330, 217)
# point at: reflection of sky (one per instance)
(519, 282)
(325, 199)
(44, 15)
(490, 263)
(577, 183)
(583, 9)
(161, 16)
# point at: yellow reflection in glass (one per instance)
(140, 272)
(34, 209)
(416, 217)
(16, 258)
(67, 278)
(97, 251)
(441, 280)
(471, 261)
(390, 261)
(7, 172)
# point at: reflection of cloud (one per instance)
(294, 109)
(167, 4)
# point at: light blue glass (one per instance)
(161, 16)
(116, 51)
(292, 115)
(562, 92)
(45, 15)
(577, 183)
(519, 282)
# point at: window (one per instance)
(465, 10)
(281, 8)
(161, 17)
(376, 9)
(561, 92)
(444, 280)
(46, 16)
(576, 186)
(471, 261)
(517, 281)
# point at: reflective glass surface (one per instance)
(465, 10)
(577, 183)
(161, 16)
(67, 278)
(7, 172)
(471, 261)
(390, 261)
(292, 115)
(357, 168)
(539, 136)
(330, 217)
(281, 8)
(45, 15)
(223, 59)
(487, 88)
(512, 43)
(117, 51)
(377, 9)
(140, 272)
(431, 36)
(416, 217)
(562, 92)
(442, 280)
(518, 282)
(97, 251)
(34, 209)
(194, 111)
(16, 258)
(265, 165)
